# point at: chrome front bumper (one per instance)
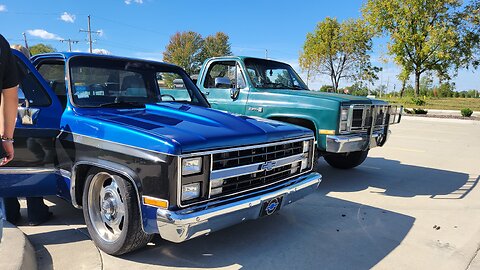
(185, 224)
(353, 142)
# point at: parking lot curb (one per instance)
(16, 252)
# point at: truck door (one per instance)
(225, 87)
(33, 172)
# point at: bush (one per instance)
(418, 101)
(420, 111)
(466, 112)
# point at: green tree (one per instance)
(424, 35)
(469, 18)
(326, 88)
(41, 48)
(184, 50)
(338, 50)
(216, 45)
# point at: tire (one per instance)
(112, 213)
(346, 161)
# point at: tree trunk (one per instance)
(334, 85)
(402, 91)
(417, 83)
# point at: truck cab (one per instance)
(345, 127)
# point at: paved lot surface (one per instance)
(414, 204)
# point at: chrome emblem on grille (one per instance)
(268, 166)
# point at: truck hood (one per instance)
(342, 98)
(186, 128)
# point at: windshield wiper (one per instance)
(122, 104)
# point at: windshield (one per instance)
(270, 74)
(110, 82)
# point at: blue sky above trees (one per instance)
(142, 28)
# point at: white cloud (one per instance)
(101, 51)
(66, 17)
(43, 34)
(101, 33)
(128, 2)
(154, 56)
(3, 8)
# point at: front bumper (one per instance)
(355, 142)
(182, 225)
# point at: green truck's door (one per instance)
(224, 86)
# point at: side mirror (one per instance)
(234, 92)
(223, 82)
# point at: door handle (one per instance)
(28, 116)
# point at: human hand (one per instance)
(9, 152)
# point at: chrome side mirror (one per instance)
(223, 82)
(27, 115)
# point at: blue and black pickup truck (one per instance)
(143, 154)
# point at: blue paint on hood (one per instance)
(177, 128)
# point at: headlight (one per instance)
(190, 191)
(343, 126)
(306, 146)
(191, 166)
(306, 158)
(344, 114)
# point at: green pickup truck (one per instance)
(346, 127)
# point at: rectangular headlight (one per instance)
(191, 166)
(344, 114)
(306, 146)
(190, 191)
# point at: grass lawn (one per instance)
(439, 103)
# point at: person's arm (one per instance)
(10, 106)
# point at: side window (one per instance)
(172, 87)
(31, 89)
(54, 74)
(224, 69)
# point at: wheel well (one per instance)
(297, 121)
(81, 173)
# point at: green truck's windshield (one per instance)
(100, 82)
(267, 74)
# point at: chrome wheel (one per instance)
(106, 206)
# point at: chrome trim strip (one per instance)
(116, 146)
(246, 147)
(31, 170)
(253, 168)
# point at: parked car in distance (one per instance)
(135, 144)
(346, 127)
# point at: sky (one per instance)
(142, 28)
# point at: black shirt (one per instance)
(8, 67)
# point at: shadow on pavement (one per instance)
(317, 232)
(396, 179)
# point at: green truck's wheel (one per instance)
(346, 161)
(111, 213)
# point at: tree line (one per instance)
(437, 37)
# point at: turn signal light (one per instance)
(155, 202)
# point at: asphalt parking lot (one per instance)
(414, 204)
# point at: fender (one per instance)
(103, 164)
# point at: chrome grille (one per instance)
(261, 154)
(255, 167)
(363, 115)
